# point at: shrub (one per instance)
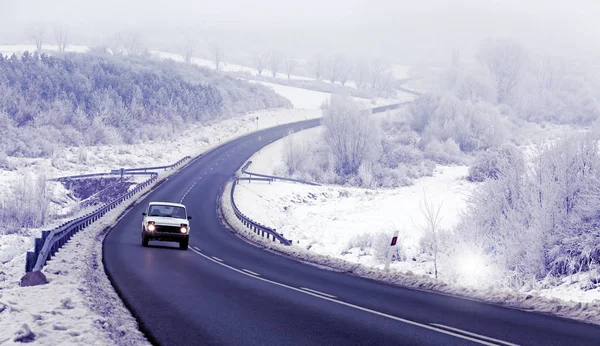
(491, 163)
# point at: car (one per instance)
(165, 221)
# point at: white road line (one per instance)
(425, 326)
(318, 292)
(474, 334)
(217, 259)
(205, 173)
(211, 168)
(251, 272)
(196, 248)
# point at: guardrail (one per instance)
(261, 230)
(123, 171)
(50, 241)
(273, 177)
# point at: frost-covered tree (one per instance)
(274, 63)
(289, 64)
(318, 66)
(261, 61)
(188, 49)
(61, 36)
(38, 35)
(217, 56)
(507, 61)
(351, 134)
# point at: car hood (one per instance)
(167, 221)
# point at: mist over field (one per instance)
(401, 31)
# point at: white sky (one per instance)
(413, 30)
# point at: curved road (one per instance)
(224, 291)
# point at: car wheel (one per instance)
(183, 245)
(145, 241)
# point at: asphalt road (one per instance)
(224, 291)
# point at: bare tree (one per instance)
(38, 33)
(318, 66)
(61, 35)
(344, 70)
(218, 56)
(260, 62)
(133, 44)
(378, 72)
(274, 63)
(360, 73)
(507, 61)
(188, 50)
(333, 67)
(289, 64)
(431, 228)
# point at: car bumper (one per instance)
(165, 236)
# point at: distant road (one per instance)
(224, 291)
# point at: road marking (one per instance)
(417, 324)
(318, 292)
(251, 272)
(217, 259)
(205, 173)
(196, 248)
(474, 334)
(211, 168)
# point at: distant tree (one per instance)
(361, 73)
(38, 33)
(61, 35)
(379, 72)
(289, 64)
(507, 61)
(218, 56)
(344, 70)
(274, 63)
(133, 44)
(333, 68)
(318, 66)
(188, 50)
(431, 228)
(260, 62)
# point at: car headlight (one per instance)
(184, 229)
(151, 227)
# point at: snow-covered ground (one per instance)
(79, 305)
(354, 224)
(338, 221)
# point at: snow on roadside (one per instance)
(587, 312)
(327, 219)
(90, 312)
(79, 305)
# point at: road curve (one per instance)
(224, 291)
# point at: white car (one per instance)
(166, 221)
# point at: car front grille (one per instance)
(167, 229)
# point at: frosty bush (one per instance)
(473, 126)
(27, 204)
(540, 221)
(491, 163)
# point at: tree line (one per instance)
(73, 99)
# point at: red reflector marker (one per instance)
(394, 240)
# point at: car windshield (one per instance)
(167, 211)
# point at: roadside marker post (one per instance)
(389, 254)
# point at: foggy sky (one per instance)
(402, 31)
